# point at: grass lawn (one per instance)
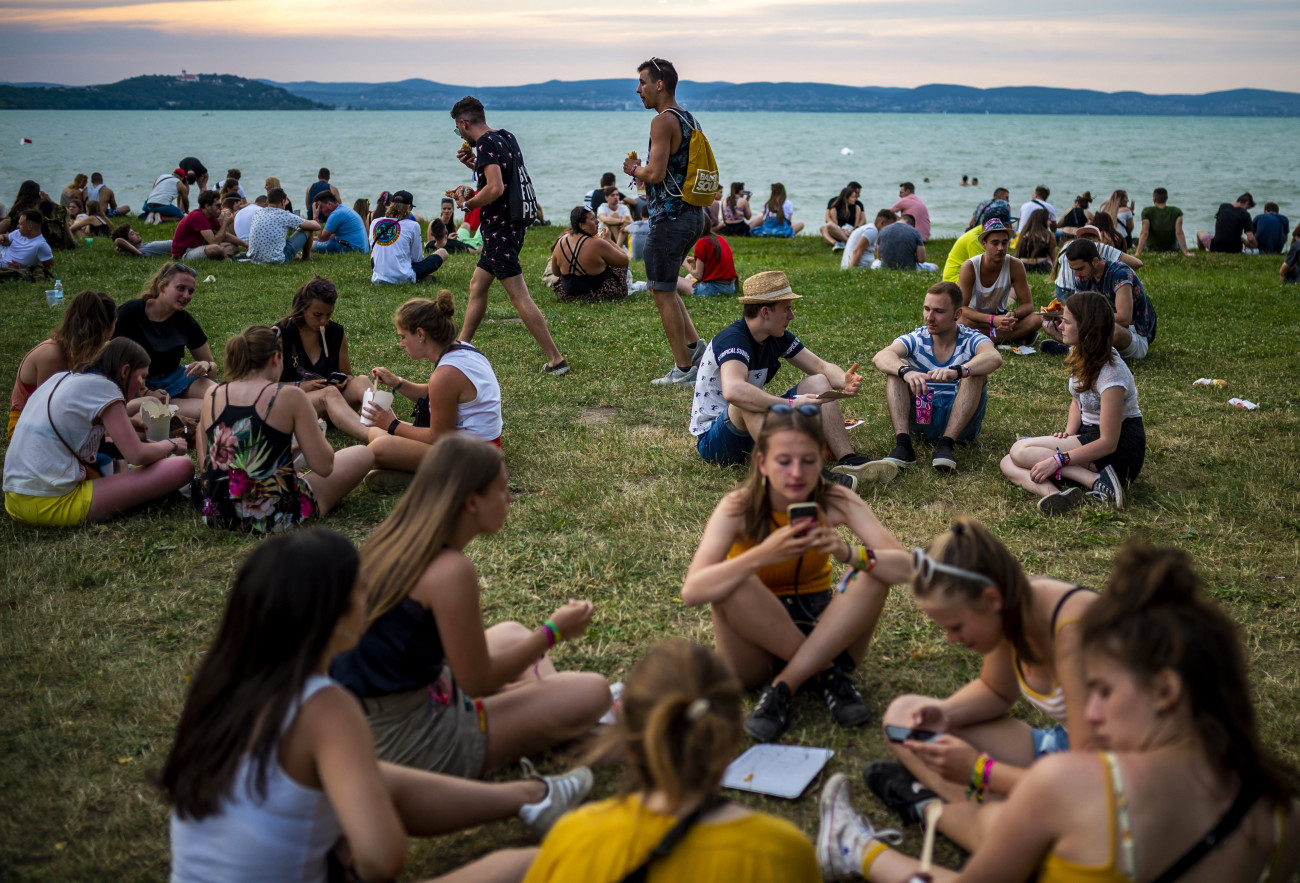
(100, 626)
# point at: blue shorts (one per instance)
(939, 420)
(713, 289)
(1050, 740)
(173, 384)
(334, 245)
(724, 444)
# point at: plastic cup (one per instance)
(381, 398)
(90, 240)
(52, 297)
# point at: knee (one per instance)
(815, 383)
(596, 697)
(1008, 466)
(513, 632)
(899, 712)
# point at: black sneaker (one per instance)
(843, 479)
(944, 459)
(842, 698)
(897, 789)
(902, 456)
(1107, 488)
(1050, 347)
(771, 715)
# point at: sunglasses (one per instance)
(805, 409)
(924, 567)
(655, 62)
(184, 268)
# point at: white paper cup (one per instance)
(381, 398)
(157, 427)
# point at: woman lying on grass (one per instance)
(442, 692)
(1104, 444)
(1183, 788)
(1028, 633)
(273, 775)
(767, 577)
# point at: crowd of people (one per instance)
(354, 697)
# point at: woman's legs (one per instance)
(431, 804)
(753, 632)
(336, 405)
(190, 401)
(395, 452)
(846, 624)
(123, 490)
(350, 466)
(1028, 451)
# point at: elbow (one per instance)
(379, 862)
(691, 593)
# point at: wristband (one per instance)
(550, 635)
(172, 442)
(400, 381)
(903, 370)
(392, 427)
(556, 634)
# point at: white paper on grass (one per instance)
(778, 770)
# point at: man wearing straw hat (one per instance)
(730, 402)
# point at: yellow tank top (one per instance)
(807, 575)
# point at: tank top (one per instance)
(92, 191)
(297, 365)
(662, 202)
(318, 187)
(23, 391)
(994, 298)
(1051, 703)
(729, 216)
(806, 575)
(481, 416)
(286, 837)
(398, 652)
(164, 190)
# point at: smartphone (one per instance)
(308, 375)
(338, 378)
(907, 734)
(799, 511)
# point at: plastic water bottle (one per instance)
(58, 288)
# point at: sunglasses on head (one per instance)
(924, 567)
(185, 268)
(655, 62)
(805, 409)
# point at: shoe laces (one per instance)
(838, 688)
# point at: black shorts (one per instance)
(806, 609)
(1129, 454)
(500, 255)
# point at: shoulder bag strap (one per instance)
(49, 415)
(673, 837)
(1246, 798)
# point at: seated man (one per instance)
(26, 247)
(614, 218)
(1270, 230)
(730, 402)
(128, 242)
(1232, 223)
(860, 249)
(1135, 314)
(267, 235)
(1162, 226)
(448, 239)
(593, 198)
(1038, 203)
(342, 230)
(244, 217)
(979, 216)
(395, 255)
(944, 359)
(968, 244)
(637, 231)
(900, 247)
(202, 234)
(987, 282)
(107, 198)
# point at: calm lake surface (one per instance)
(1203, 161)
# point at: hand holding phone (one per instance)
(803, 511)
(909, 734)
(338, 378)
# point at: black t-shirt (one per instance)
(846, 215)
(1293, 262)
(1230, 222)
(1075, 217)
(296, 364)
(400, 651)
(762, 359)
(165, 342)
(497, 148)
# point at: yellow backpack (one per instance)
(701, 183)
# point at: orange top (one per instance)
(807, 575)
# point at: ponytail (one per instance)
(250, 350)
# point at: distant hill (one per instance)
(194, 92)
(619, 94)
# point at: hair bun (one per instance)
(446, 303)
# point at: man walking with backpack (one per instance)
(675, 223)
(508, 208)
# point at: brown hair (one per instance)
(317, 288)
(434, 317)
(970, 545)
(776, 201)
(398, 211)
(158, 281)
(1110, 235)
(952, 289)
(250, 350)
(118, 353)
(1036, 238)
(753, 490)
(418, 528)
(85, 326)
(468, 108)
(1093, 351)
(1154, 616)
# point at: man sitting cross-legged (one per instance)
(944, 357)
(730, 403)
(987, 282)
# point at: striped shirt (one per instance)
(920, 355)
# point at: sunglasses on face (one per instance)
(805, 409)
(925, 567)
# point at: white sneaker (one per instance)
(843, 835)
(152, 218)
(563, 793)
(677, 377)
(839, 246)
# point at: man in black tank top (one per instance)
(321, 185)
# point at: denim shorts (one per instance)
(939, 420)
(1050, 740)
(667, 244)
(713, 289)
(724, 444)
(173, 384)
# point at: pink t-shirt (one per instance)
(912, 205)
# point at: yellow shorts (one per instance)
(13, 421)
(66, 511)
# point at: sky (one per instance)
(1156, 46)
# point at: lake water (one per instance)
(1203, 161)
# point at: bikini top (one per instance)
(1051, 703)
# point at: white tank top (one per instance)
(92, 192)
(286, 838)
(994, 298)
(480, 417)
(164, 190)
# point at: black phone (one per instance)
(309, 375)
(907, 734)
(802, 510)
(338, 378)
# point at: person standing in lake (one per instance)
(675, 224)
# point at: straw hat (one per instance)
(768, 287)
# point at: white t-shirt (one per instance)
(620, 211)
(164, 190)
(37, 463)
(1115, 374)
(267, 234)
(1065, 276)
(481, 417)
(24, 252)
(787, 210)
(395, 245)
(244, 219)
(870, 232)
(1032, 206)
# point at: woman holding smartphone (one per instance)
(316, 350)
(764, 568)
(1027, 630)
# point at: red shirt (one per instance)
(189, 232)
(719, 266)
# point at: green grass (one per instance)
(99, 626)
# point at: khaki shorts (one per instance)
(435, 728)
(197, 253)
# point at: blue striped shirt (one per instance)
(920, 355)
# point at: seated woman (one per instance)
(272, 764)
(272, 183)
(1036, 244)
(91, 223)
(587, 267)
(1169, 700)
(74, 192)
(245, 441)
(843, 215)
(1120, 208)
(315, 349)
(1027, 631)
(735, 212)
(1104, 443)
(767, 578)
(1105, 226)
(362, 208)
(53, 472)
(678, 728)
(777, 219)
(158, 321)
(462, 395)
(425, 652)
(87, 325)
(1078, 215)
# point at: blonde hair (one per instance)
(250, 350)
(398, 211)
(272, 183)
(158, 281)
